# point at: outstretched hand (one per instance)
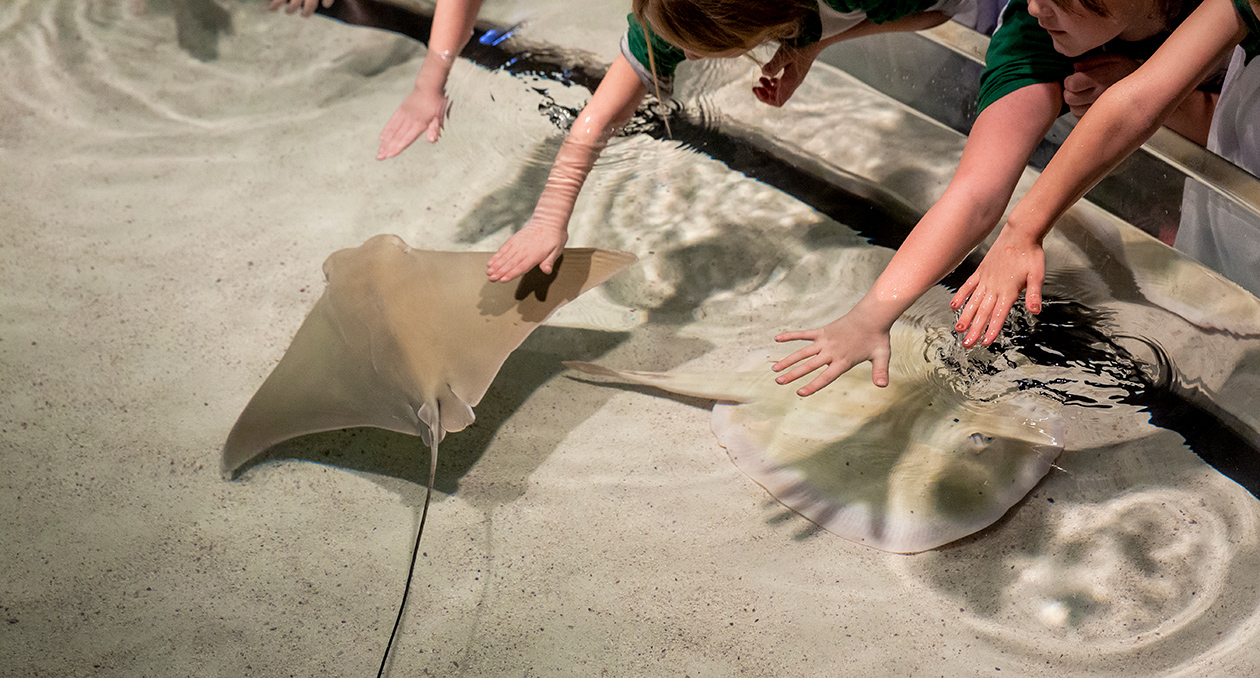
(1015, 263)
(422, 112)
(839, 346)
(307, 7)
(535, 245)
(785, 71)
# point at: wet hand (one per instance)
(423, 112)
(307, 7)
(986, 298)
(785, 71)
(535, 245)
(1092, 77)
(838, 346)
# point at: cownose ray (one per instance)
(905, 468)
(405, 340)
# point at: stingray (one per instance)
(905, 468)
(405, 340)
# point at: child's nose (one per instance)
(1038, 8)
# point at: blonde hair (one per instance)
(722, 25)
(719, 25)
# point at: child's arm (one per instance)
(787, 69)
(424, 110)
(1192, 119)
(1123, 118)
(997, 151)
(543, 238)
(307, 7)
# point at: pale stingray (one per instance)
(904, 468)
(405, 340)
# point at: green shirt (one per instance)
(833, 17)
(1251, 43)
(1021, 52)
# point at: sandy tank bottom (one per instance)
(164, 219)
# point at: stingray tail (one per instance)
(435, 436)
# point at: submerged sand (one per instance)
(164, 221)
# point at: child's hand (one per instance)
(535, 245)
(422, 112)
(1092, 77)
(794, 63)
(1015, 262)
(840, 345)
(306, 6)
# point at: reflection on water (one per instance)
(181, 178)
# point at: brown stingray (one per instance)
(409, 341)
(405, 340)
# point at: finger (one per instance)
(821, 381)
(983, 311)
(328, 3)
(802, 369)
(518, 260)
(960, 297)
(499, 270)
(776, 63)
(1032, 296)
(1075, 83)
(505, 272)
(997, 320)
(807, 352)
(1097, 60)
(1079, 112)
(309, 7)
(969, 311)
(501, 259)
(879, 370)
(808, 335)
(435, 130)
(397, 139)
(548, 264)
(275, 5)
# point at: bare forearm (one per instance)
(613, 103)
(452, 27)
(1127, 114)
(993, 160)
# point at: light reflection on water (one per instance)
(1143, 550)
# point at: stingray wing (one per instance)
(401, 335)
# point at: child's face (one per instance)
(1078, 30)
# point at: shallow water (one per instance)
(166, 210)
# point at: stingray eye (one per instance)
(980, 441)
